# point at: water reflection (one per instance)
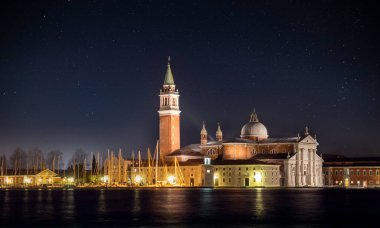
(176, 207)
(258, 205)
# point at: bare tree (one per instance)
(54, 160)
(3, 165)
(18, 160)
(78, 164)
(36, 160)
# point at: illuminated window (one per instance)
(208, 171)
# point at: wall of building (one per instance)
(238, 151)
(352, 176)
(246, 175)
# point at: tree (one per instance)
(54, 160)
(78, 164)
(3, 165)
(18, 160)
(36, 160)
(94, 166)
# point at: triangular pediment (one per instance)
(46, 172)
(308, 140)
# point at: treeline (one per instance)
(31, 160)
(21, 161)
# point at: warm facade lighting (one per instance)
(70, 180)
(171, 179)
(104, 179)
(138, 179)
(258, 177)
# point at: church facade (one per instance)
(286, 161)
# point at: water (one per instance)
(190, 207)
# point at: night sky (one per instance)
(77, 74)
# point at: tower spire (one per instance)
(219, 134)
(169, 80)
(203, 134)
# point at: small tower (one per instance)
(203, 135)
(219, 134)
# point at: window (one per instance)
(224, 174)
(224, 180)
(229, 180)
(377, 172)
(336, 172)
(357, 172)
(341, 172)
(370, 172)
(364, 172)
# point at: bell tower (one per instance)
(169, 115)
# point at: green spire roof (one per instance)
(169, 80)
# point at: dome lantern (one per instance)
(254, 130)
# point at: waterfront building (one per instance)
(293, 161)
(352, 172)
(25, 179)
(115, 170)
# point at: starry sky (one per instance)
(86, 74)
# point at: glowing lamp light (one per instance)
(171, 179)
(104, 179)
(70, 180)
(138, 179)
(258, 177)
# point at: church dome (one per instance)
(254, 129)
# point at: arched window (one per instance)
(211, 152)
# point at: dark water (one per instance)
(190, 207)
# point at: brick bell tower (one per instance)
(169, 114)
